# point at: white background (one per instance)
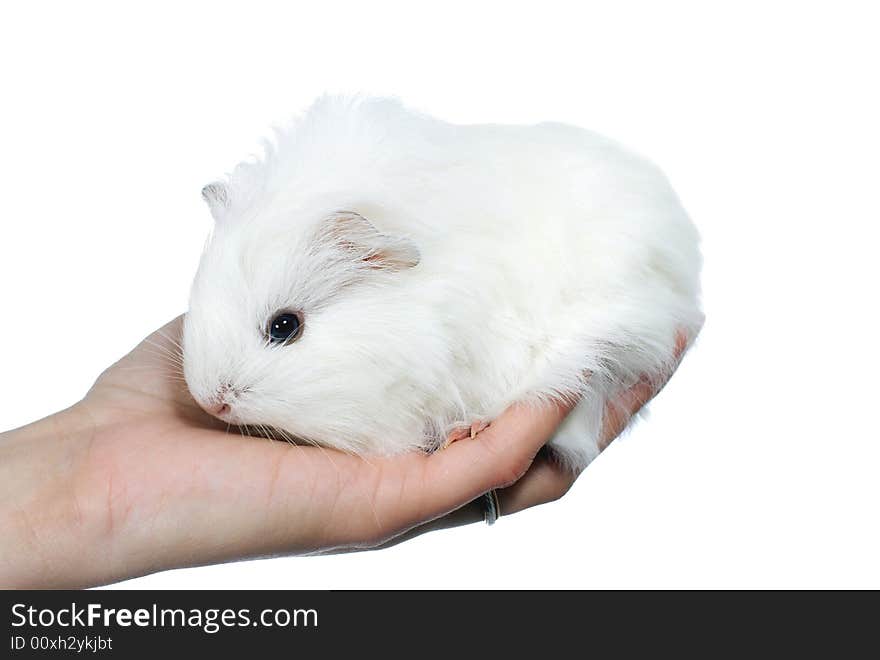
(759, 465)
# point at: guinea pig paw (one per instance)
(455, 435)
(464, 432)
(478, 426)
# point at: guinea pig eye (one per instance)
(285, 327)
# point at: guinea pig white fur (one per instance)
(429, 275)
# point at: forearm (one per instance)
(75, 514)
(53, 530)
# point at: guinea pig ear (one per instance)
(217, 196)
(354, 233)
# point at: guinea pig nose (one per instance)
(219, 409)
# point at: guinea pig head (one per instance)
(292, 321)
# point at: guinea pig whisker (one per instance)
(323, 451)
(284, 436)
(366, 460)
(171, 357)
(155, 369)
(273, 433)
(174, 342)
(164, 354)
(175, 352)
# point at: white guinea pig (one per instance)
(380, 278)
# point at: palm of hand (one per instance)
(161, 468)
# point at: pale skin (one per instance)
(136, 478)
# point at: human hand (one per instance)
(136, 478)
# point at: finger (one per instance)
(545, 482)
(495, 458)
(621, 409)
